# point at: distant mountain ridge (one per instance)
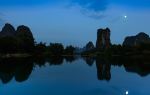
(19, 40)
(8, 30)
(141, 38)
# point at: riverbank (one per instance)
(16, 55)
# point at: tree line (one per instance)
(21, 40)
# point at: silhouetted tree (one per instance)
(56, 49)
(144, 46)
(117, 49)
(69, 50)
(40, 48)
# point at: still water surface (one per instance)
(70, 76)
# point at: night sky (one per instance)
(76, 21)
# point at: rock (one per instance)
(89, 46)
(8, 30)
(25, 38)
(20, 40)
(103, 39)
(24, 31)
(141, 38)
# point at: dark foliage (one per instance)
(69, 50)
(8, 45)
(56, 49)
(40, 48)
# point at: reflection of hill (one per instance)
(136, 64)
(19, 69)
(89, 60)
(103, 69)
(140, 69)
(139, 66)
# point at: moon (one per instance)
(125, 16)
(127, 92)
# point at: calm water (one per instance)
(74, 76)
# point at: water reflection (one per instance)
(138, 65)
(55, 60)
(21, 69)
(141, 67)
(70, 59)
(103, 69)
(89, 60)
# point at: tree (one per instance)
(56, 49)
(40, 48)
(69, 50)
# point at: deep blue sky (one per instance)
(76, 21)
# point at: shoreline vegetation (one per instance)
(20, 43)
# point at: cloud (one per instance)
(97, 8)
(92, 8)
(94, 14)
(94, 5)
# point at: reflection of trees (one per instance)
(103, 69)
(55, 60)
(21, 68)
(139, 66)
(89, 60)
(23, 71)
(70, 59)
(18, 68)
(40, 61)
